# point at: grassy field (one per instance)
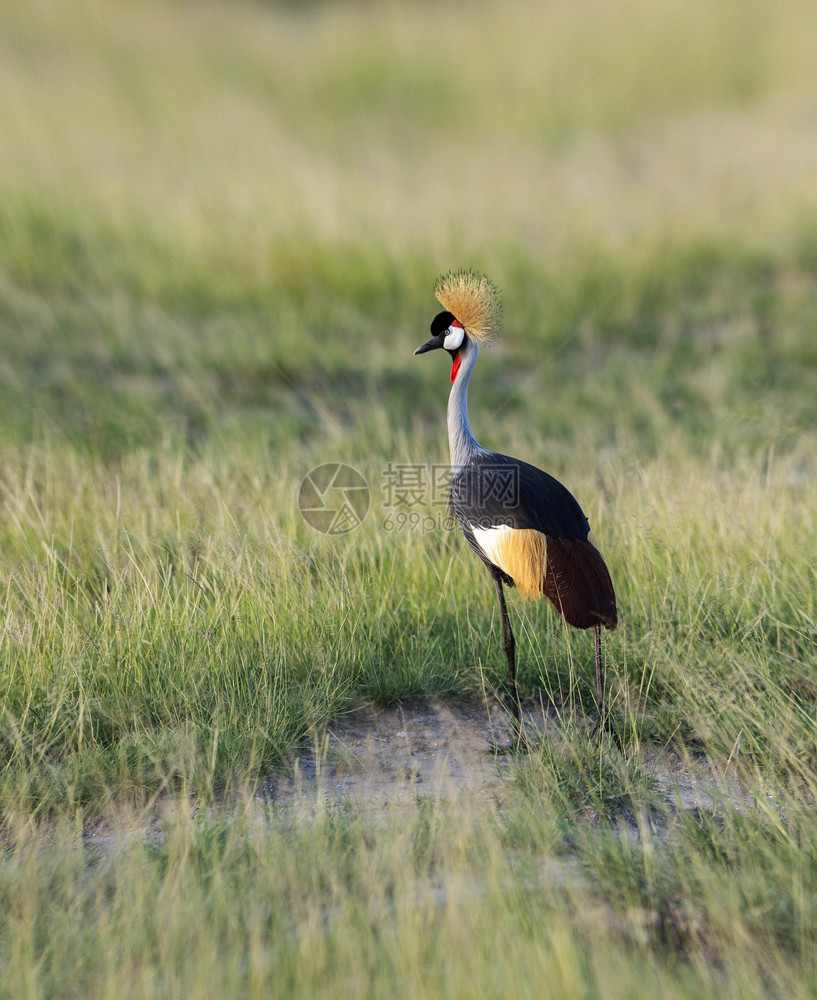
(219, 227)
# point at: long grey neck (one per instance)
(461, 441)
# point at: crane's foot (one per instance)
(518, 740)
(602, 727)
(517, 745)
(598, 729)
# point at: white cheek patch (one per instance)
(453, 338)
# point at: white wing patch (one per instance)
(490, 541)
(521, 553)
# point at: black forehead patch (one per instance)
(441, 322)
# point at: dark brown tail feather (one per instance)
(579, 585)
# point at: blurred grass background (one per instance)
(220, 225)
(219, 230)
(173, 171)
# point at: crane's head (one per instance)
(447, 332)
(471, 304)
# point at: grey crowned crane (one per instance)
(526, 527)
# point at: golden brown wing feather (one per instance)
(571, 573)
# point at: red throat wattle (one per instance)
(456, 366)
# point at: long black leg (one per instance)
(599, 669)
(509, 644)
(599, 726)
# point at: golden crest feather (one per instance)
(473, 299)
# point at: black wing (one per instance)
(495, 489)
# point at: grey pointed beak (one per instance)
(430, 345)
